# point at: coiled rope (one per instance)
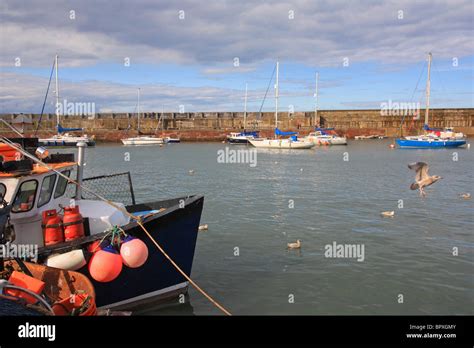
(136, 218)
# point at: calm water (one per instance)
(334, 200)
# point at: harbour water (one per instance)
(320, 196)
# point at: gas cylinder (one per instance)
(72, 223)
(52, 229)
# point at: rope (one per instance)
(266, 92)
(45, 97)
(137, 219)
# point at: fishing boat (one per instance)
(432, 138)
(142, 139)
(63, 138)
(242, 138)
(280, 143)
(77, 230)
(323, 137)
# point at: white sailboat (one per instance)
(63, 138)
(322, 136)
(280, 143)
(142, 139)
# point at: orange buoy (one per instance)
(392, 146)
(134, 252)
(52, 229)
(105, 265)
(73, 223)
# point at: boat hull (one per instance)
(238, 141)
(281, 144)
(64, 142)
(145, 141)
(429, 144)
(175, 230)
(172, 140)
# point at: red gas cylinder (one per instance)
(52, 229)
(73, 223)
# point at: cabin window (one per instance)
(25, 197)
(62, 184)
(3, 190)
(46, 190)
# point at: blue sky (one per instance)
(190, 61)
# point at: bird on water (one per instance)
(422, 178)
(296, 245)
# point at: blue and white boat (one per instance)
(241, 137)
(432, 138)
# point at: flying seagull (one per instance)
(422, 178)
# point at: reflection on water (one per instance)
(318, 197)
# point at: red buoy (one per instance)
(73, 223)
(105, 265)
(52, 229)
(134, 252)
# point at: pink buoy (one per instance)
(134, 252)
(105, 265)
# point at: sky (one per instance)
(197, 56)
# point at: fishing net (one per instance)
(114, 187)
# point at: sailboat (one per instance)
(141, 139)
(168, 139)
(279, 143)
(63, 138)
(243, 137)
(432, 137)
(323, 136)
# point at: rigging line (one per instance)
(136, 218)
(413, 94)
(268, 87)
(45, 97)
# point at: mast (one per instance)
(276, 97)
(316, 95)
(138, 111)
(57, 92)
(428, 86)
(245, 108)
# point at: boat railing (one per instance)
(115, 187)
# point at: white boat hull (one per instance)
(327, 140)
(143, 141)
(281, 144)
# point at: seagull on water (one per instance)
(422, 178)
(296, 245)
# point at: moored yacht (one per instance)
(69, 225)
(280, 143)
(323, 137)
(142, 139)
(432, 138)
